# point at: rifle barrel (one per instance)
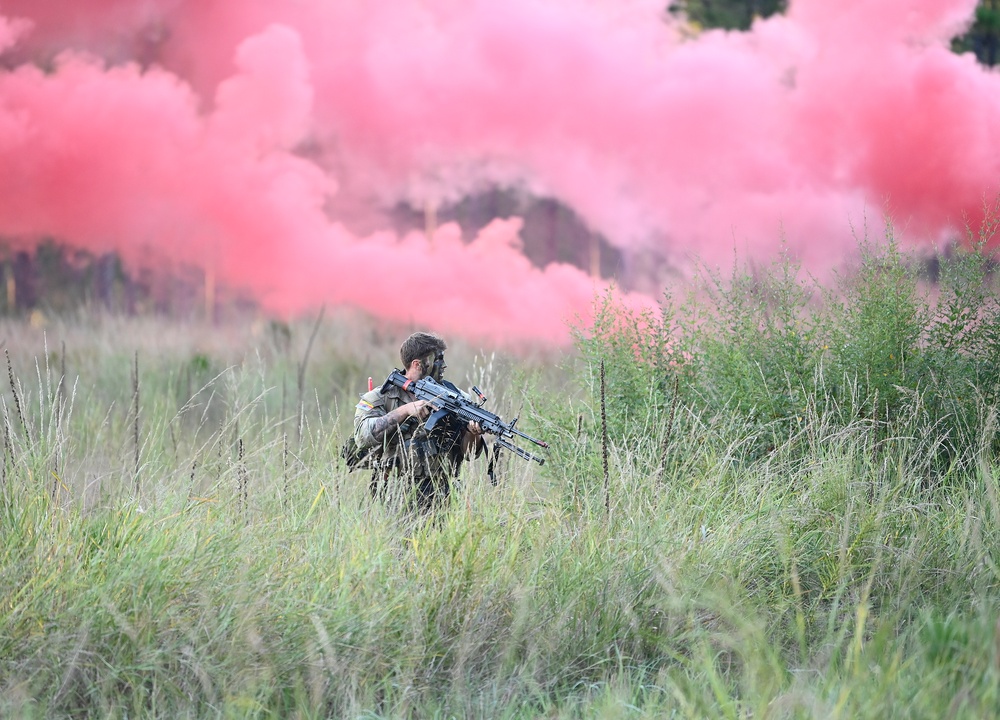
(520, 452)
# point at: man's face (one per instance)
(434, 366)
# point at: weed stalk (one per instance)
(670, 424)
(135, 421)
(13, 389)
(604, 443)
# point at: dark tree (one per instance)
(983, 38)
(727, 14)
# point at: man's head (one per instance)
(426, 348)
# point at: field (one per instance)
(774, 500)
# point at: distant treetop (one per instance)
(982, 38)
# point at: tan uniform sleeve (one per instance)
(369, 408)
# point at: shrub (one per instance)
(768, 360)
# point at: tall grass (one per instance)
(801, 518)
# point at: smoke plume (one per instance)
(242, 137)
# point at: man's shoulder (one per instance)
(376, 399)
(371, 400)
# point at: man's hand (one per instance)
(472, 441)
(419, 409)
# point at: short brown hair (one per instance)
(420, 345)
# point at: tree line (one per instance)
(982, 37)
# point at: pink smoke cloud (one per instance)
(216, 134)
(119, 159)
(10, 31)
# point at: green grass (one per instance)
(801, 517)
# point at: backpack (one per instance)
(355, 457)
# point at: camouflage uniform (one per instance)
(427, 460)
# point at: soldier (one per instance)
(392, 423)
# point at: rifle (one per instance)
(449, 400)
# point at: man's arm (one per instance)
(472, 440)
(372, 422)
